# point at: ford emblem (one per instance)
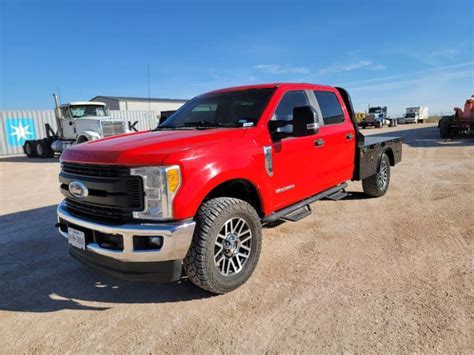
(78, 189)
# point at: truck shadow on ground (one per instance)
(25, 159)
(423, 137)
(38, 275)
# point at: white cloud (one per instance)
(280, 69)
(445, 53)
(410, 74)
(361, 64)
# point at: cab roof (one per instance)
(274, 85)
(79, 103)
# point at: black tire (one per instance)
(200, 265)
(43, 149)
(30, 149)
(444, 129)
(377, 185)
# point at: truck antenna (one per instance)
(149, 98)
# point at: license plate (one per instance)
(76, 238)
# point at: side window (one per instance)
(288, 102)
(330, 107)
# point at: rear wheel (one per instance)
(226, 245)
(377, 185)
(30, 149)
(444, 129)
(43, 149)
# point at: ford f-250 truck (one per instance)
(193, 194)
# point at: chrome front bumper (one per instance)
(177, 238)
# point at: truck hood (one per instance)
(146, 148)
(99, 118)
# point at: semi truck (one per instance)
(461, 122)
(77, 122)
(377, 117)
(190, 198)
(417, 114)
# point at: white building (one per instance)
(122, 103)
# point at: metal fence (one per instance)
(20, 125)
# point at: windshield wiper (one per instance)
(207, 124)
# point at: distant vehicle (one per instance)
(376, 117)
(462, 122)
(360, 116)
(415, 115)
(77, 122)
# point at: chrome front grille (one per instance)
(113, 194)
(112, 128)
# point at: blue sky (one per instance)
(399, 54)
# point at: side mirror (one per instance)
(162, 119)
(304, 121)
(280, 129)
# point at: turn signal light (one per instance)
(172, 177)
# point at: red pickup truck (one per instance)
(193, 194)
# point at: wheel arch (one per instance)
(390, 155)
(82, 139)
(239, 188)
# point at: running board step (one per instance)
(278, 215)
(298, 214)
(339, 195)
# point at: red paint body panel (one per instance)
(210, 157)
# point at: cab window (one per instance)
(330, 107)
(288, 102)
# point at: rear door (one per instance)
(338, 135)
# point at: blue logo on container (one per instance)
(18, 130)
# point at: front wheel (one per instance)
(226, 245)
(377, 185)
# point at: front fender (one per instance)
(91, 135)
(201, 177)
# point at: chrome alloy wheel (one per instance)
(233, 246)
(382, 175)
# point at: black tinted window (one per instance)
(330, 107)
(228, 109)
(288, 102)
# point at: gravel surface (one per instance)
(392, 274)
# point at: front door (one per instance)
(296, 160)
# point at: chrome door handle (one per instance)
(319, 142)
(349, 136)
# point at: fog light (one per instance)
(156, 241)
(143, 242)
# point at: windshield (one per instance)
(410, 114)
(375, 110)
(87, 110)
(225, 109)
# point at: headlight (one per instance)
(160, 184)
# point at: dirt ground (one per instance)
(393, 274)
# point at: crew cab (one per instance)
(190, 198)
